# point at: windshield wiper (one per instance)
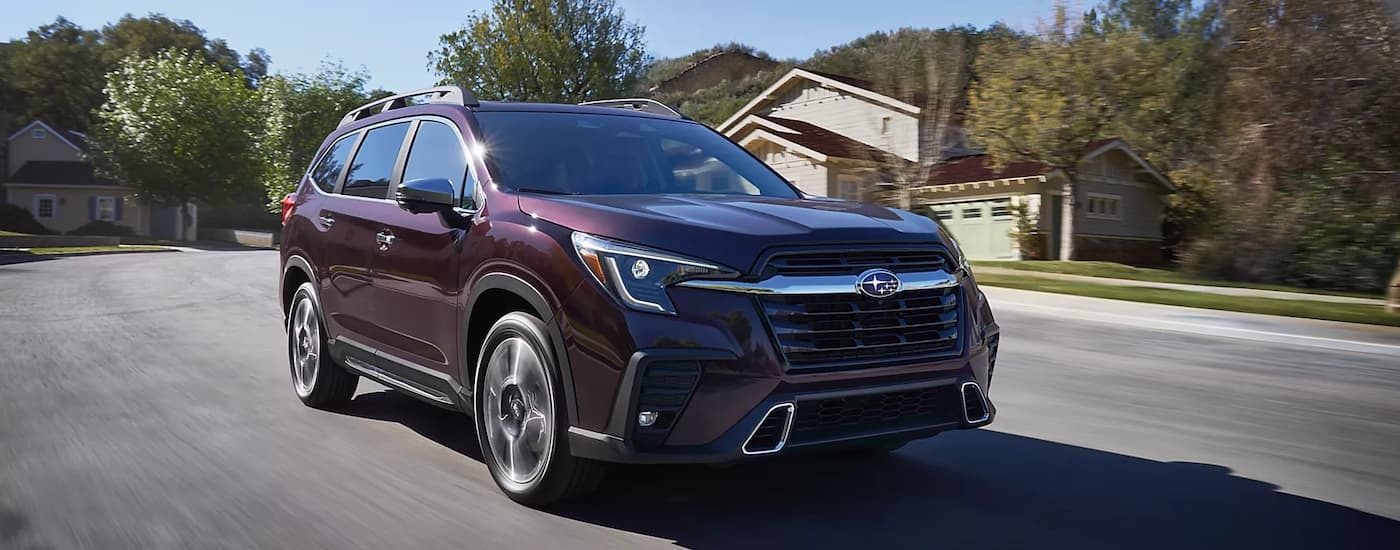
(539, 191)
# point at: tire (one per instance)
(316, 378)
(521, 420)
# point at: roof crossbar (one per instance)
(639, 104)
(452, 95)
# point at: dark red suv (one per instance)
(615, 283)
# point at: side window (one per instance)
(327, 172)
(438, 153)
(373, 166)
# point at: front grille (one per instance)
(854, 262)
(665, 389)
(851, 330)
(837, 417)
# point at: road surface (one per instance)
(145, 403)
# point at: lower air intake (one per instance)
(771, 434)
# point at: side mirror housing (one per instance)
(426, 195)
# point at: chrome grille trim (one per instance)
(823, 284)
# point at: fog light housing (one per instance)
(647, 418)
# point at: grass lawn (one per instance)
(4, 233)
(92, 249)
(1120, 271)
(1351, 313)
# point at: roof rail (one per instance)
(453, 95)
(639, 104)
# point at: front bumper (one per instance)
(730, 447)
(743, 376)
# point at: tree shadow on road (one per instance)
(978, 489)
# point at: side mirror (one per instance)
(426, 195)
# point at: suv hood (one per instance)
(731, 230)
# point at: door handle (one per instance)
(385, 238)
(327, 220)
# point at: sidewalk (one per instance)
(1223, 290)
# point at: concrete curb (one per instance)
(8, 257)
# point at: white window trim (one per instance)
(112, 211)
(38, 133)
(1118, 209)
(53, 211)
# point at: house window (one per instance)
(1104, 207)
(943, 213)
(1001, 208)
(884, 125)
(848, 188)
(106, 209)
(38, 133)
(971, 212)
(44, 206)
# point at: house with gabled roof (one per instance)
(836, 136)
(50, 176)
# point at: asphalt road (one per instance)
(145, 403)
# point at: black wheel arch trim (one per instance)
(500, 280)
(296, 261)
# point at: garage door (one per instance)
(983, 228)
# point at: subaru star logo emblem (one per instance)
(878, 283)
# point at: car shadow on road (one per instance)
(978, 489)
(447, 428)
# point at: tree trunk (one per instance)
(1067, 204)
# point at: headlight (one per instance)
(639, 276)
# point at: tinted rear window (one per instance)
(327, 172)
(587, 154)
(374, 163)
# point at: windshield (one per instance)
(586, 154)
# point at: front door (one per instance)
(417, 285)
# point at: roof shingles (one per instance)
(825, 141)
(58, 173)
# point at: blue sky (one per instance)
(391, 39)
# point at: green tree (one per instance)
(300, 111)
(179, 130)
(544, 50)
(1044, 97)
(1309, 162)
(55, 74)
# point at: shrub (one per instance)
(102, 229)
(17, 219)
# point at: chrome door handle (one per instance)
(327, 220)
(385, 238)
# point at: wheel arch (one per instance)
(495, 294)
(295, 270)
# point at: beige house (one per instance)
(835, 136)
(50, 177)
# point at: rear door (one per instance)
(324, 204)
(351, 242)
(416, 279)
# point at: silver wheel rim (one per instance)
(518, 411)
(305, 340)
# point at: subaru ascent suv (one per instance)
(615, 283)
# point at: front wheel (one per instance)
(520, 418)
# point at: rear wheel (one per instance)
(520, 418)
(318, 381)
